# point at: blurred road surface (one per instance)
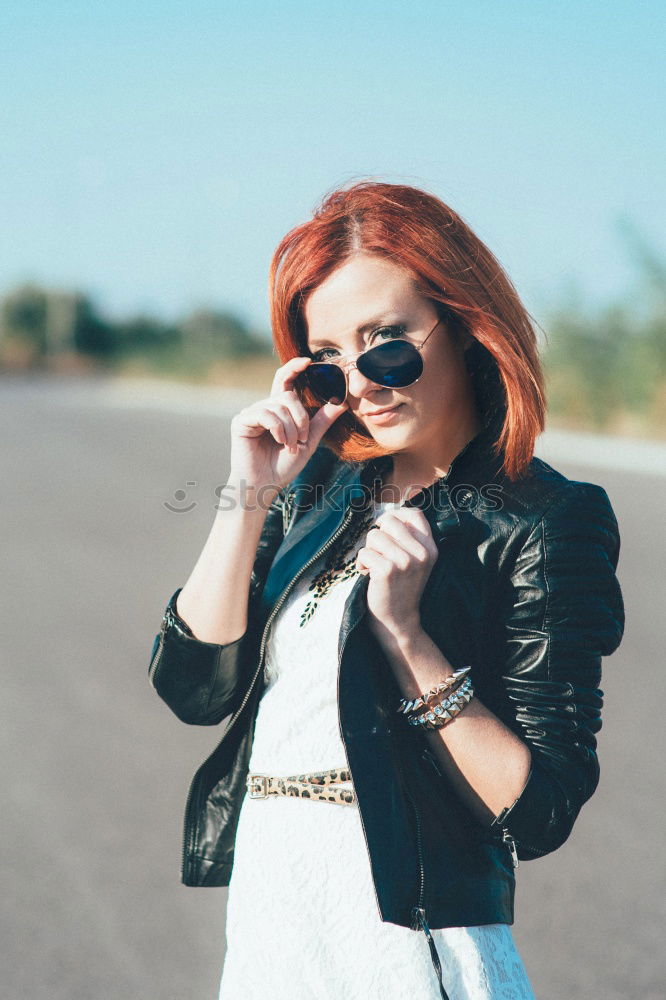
(97, 768)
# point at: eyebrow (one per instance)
(367, 327)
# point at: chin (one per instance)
(401, 436)
(395, 438)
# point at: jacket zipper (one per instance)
(506, 836)
(365, 835)
(419, 921)
(187, 839)
(418, 911)
(166, 621)
(511, 844)
(158, 653)
(510, 841)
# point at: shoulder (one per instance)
(542, 514)
(545, 498)
(562, 566)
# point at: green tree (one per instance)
(24, 312)
(208, 333)
(609, 364)
(93, 335)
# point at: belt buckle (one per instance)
(257, 786)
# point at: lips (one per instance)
(386, 409)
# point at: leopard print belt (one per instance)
(317, 785)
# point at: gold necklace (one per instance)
(338, 565)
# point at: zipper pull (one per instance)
(508, 839)
(498, 819)
(418, 918)
(419, 923)
(287, 498)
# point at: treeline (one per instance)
(606, 366)
(43, 328)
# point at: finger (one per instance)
(251, 421)
(414, 519)
(415, 543)
(298, 412)
(323, 418)
(369, 561)
(413, 514)
(385, 545)
(285, 376)
(258, 419)
(285, 415)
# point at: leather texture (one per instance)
(524, 590)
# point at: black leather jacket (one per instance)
(524, 590)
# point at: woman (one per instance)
(404, 613)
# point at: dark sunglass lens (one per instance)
(326, 382)
(395, 363)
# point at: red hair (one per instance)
(451, 267)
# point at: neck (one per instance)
(423, 466)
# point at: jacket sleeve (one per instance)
(203, 682)
(562, 612)
(197, 680)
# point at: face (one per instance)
(369, 289)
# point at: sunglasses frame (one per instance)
(344, 367)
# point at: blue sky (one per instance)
(154, 154)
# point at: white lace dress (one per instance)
(302, 919)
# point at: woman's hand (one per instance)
(272, 439)
(398, 556)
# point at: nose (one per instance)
(358, 384)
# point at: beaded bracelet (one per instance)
(406, 705)
(446, 710)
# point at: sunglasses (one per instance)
(393, 364)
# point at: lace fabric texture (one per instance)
(302, 918)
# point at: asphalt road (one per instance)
(96, 768)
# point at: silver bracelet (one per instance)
(446, 710)
(445, 704)
(407, 705)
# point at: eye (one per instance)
(391, 332)
(382, 332)
(324, 354)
